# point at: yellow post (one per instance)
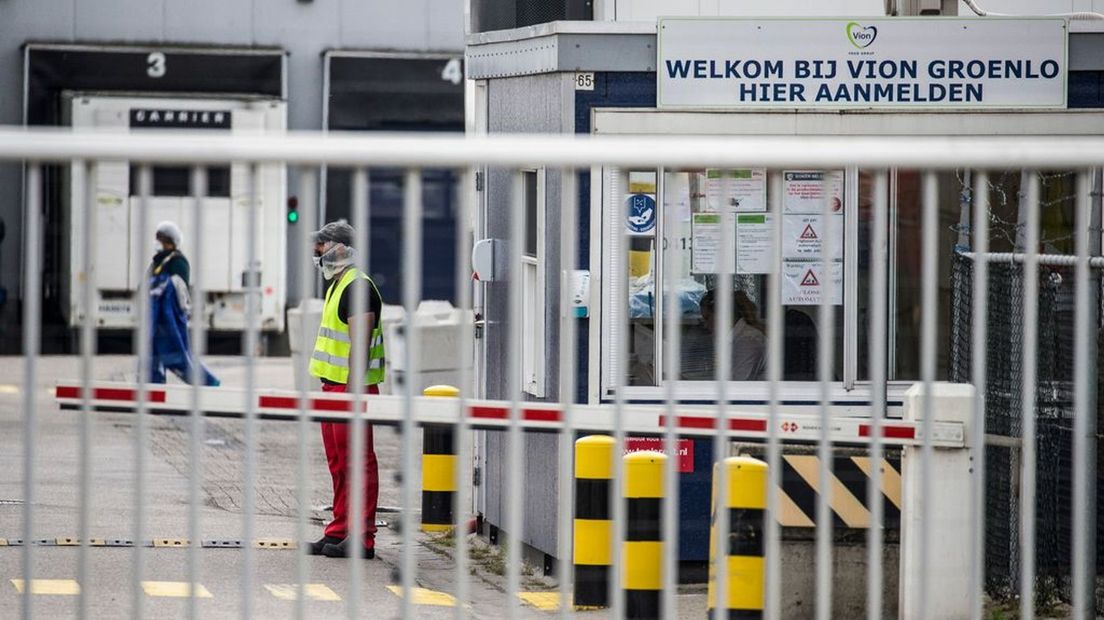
(643, 550)
(746, 502)
(593, 527)
(438, 468)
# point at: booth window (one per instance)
(728, 210)
(690, 210)
(532, 286)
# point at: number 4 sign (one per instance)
(453, 71)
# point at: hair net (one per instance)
(170, 231)
(338, 232)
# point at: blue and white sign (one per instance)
(641, 217)
(862, 63)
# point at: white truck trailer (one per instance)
(122, 253)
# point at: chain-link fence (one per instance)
(1054, 414)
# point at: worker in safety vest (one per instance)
(330, 362)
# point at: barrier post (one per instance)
(950, 539)
(643, 550)
(746, 502)
(593, 527)
(438, 468)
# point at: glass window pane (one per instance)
(529, 180)
(641, 247)
(713, 203)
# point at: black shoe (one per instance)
(316, 547)
(341, 550)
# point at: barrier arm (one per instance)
(692, 421)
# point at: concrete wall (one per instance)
(549, 108)
(304, 28)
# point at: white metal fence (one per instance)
(304, 154)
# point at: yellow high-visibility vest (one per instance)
(330, 359)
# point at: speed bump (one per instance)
(170, 542)
(275, 543)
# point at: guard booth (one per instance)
(688, 76)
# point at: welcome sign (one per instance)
(862, 63)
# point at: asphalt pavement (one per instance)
(111, 585)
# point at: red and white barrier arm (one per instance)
(692, 420)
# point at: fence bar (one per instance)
(301, 148)
(668, 257)
(1084, 433)
(775, 334)
(825, 362)
(465, 189)
(930, 273)
(412, 290)
(358, 354)
(1030, 348)
(1050, 260)
(619, 185)
(514, 386)
(568, 255)
(979, 376)
(32, 329)
(876, 341)
(249, 346)
(199, 341)
(143, 345)
(87, 350)
(722, 348)
(308, 190)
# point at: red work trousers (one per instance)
(338, 444)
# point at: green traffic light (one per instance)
(293, 216)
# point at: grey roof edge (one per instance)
(561, 27)
(562, 47)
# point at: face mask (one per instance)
(334, 259)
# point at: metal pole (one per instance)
(1030, 214)
(979, 375)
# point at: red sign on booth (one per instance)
(685, 450)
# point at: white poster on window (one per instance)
(753, 243)
(804, 191)
(705, 248)
(804, 236)
(803, 282)
(736, 189)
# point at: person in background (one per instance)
(335, 258)
(747, 338)
(170, 306)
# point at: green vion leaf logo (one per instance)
(861, 36)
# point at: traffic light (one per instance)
(293, 210)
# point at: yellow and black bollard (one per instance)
(746, 501)
(593, 527)
(438, 468)
(643, 550)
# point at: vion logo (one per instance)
(860, 36)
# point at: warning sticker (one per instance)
(804, 236)
(803, 282)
